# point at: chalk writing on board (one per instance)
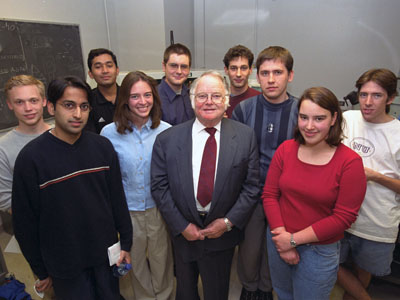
(43, 50)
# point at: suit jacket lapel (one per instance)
(184, 163)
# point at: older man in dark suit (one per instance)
(204, 176)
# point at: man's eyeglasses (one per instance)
(175, 67)
(217, 98)
(71, 106)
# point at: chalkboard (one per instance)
(43, 50)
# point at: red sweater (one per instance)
(235, 100)
(327, 197)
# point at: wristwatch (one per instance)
(228, 225)
(292, 241)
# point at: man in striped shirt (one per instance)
(273, 116)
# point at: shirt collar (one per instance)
(146, 125)
(170, 92)
(198, 127)
(102, 100)
(265, 102)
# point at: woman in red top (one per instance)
(314, 189)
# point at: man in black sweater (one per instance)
(68, 201)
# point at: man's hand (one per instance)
(192, 233)
(124, 256)
(215, 229)
(291, 257)
(44, 284)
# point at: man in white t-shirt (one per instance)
(374, 135)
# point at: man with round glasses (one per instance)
(213, 164)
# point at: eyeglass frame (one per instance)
(175, 67)
(210, 95)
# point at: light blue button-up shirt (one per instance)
(134, 153)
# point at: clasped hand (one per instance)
(214, 230)
(281, 239)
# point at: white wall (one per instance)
(179, 16)
(137, 33)
(332, 42)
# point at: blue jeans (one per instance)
(312, 278)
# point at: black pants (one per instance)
(97, 283)
(214, 269)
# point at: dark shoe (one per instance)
(264, 295)
(248, 295)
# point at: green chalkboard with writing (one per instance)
(43, 50)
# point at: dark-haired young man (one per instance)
(103, 68)
(174, 94)
(68, 201)
(238, 63)
(374, 134)
(273, 116)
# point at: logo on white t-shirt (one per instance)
(362, 146)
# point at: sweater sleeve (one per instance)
(271, 192)
(352, 188)
(26, 215)
(122, 218)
